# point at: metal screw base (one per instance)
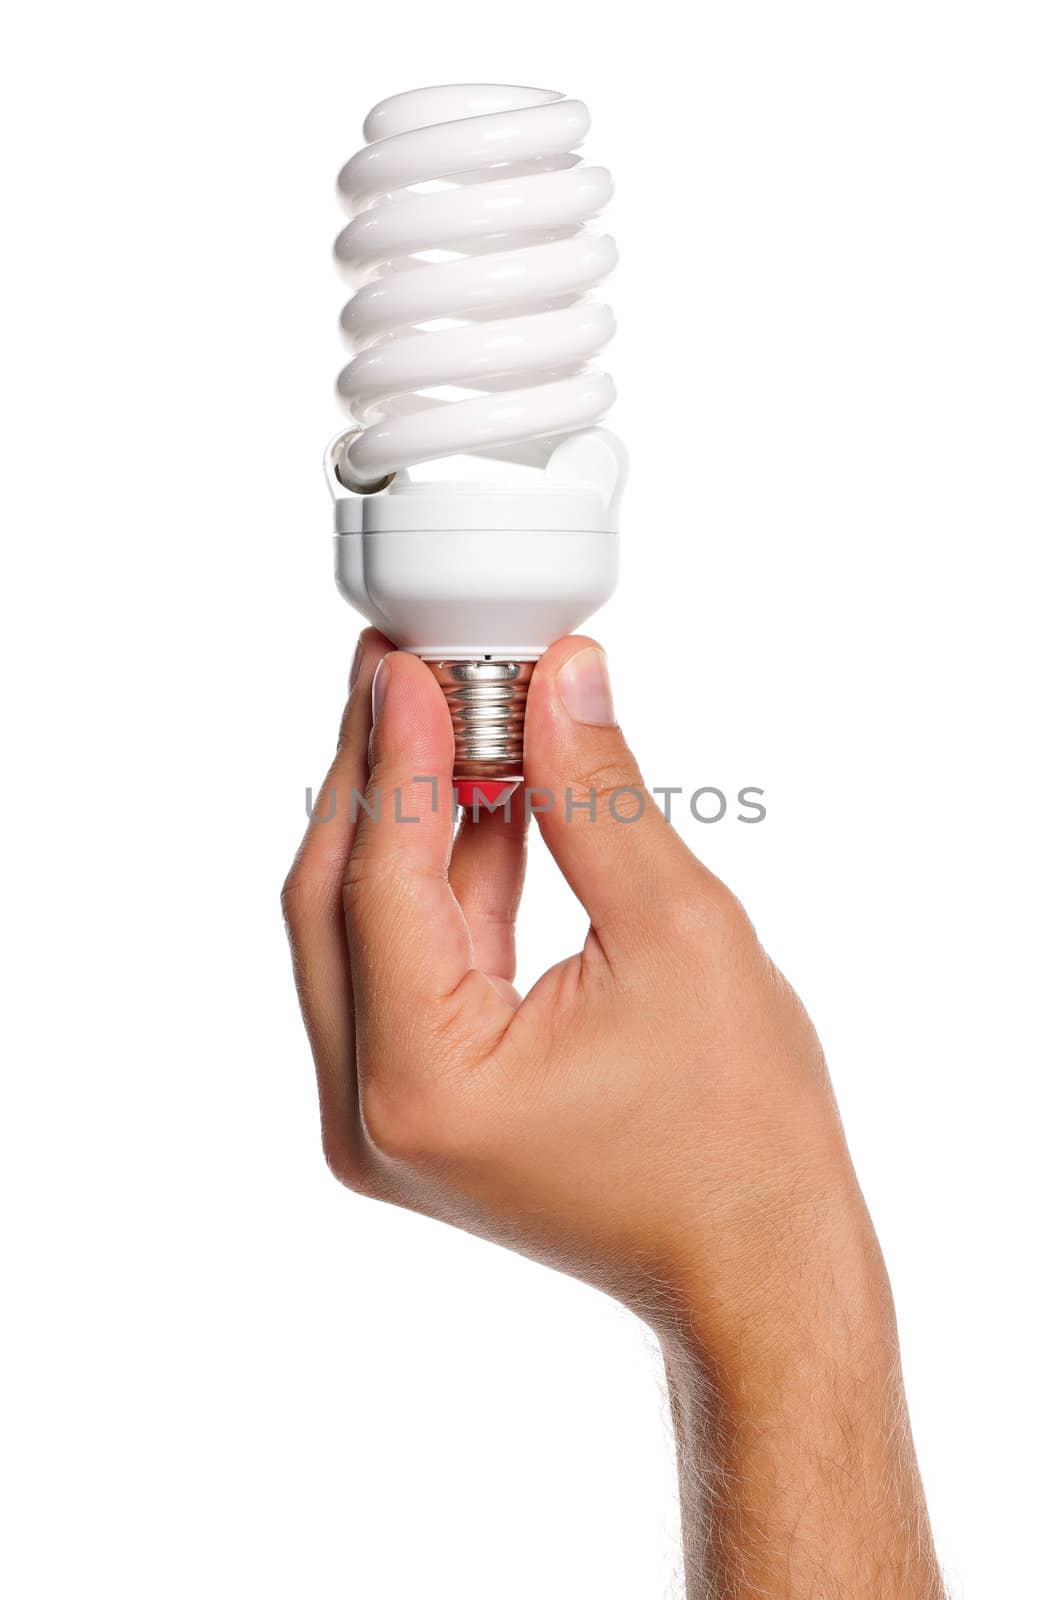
(486, 700)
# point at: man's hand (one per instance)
(655, 1116)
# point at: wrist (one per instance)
(788, 1272)
(795, 1370)
(792, 1436)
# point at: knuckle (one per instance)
(364, 872)
(305, 896)
(350, 893)
(413, 1118)
(341, 1160)
(704, 912)
(294, 897)
(729, 914)
(352, 890)
(605, 780)
(687, 917)
(398, 1120)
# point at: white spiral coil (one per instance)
(473, 265)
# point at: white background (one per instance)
(839, 359)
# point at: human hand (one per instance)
(655, 1116)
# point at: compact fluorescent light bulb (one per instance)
(473, 329)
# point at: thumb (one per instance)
(599, 821)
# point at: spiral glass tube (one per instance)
(474, 265)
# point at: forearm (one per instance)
(798, 1477)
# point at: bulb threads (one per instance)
(486, 699)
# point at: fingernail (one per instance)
(356, 666)
(380, 686)
(583, 684)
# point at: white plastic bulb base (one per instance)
(479, 579)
